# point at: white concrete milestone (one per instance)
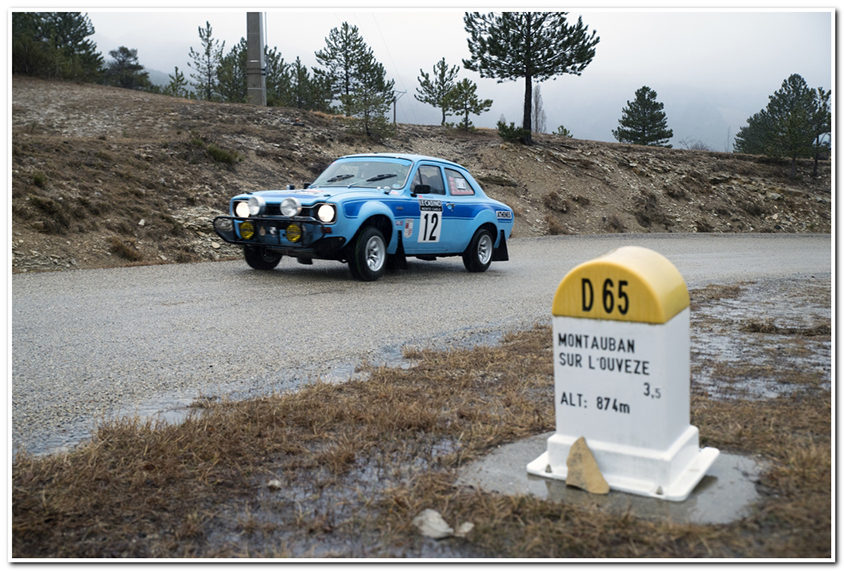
(622, 375)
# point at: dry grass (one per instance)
(358, 460)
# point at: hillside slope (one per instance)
(105, 177)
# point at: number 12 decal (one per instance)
(430, 222)
(429, 230)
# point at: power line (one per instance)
(390, 56)
(395, 68)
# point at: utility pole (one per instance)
(395, 99)
(256, 69)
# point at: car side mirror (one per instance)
(421, 189)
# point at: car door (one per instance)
(424, 231)
(460, 210)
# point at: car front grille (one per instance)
(275, 210)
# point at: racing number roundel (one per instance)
(430, 220)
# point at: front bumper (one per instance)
(300, 236)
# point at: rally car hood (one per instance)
(310, 195)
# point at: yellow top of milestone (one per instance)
(628, 284)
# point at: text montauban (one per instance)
(601, 363)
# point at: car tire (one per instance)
(261, 258)
(478, 255)
(368, 261)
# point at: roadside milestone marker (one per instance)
(621, 376)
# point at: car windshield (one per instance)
(364, 172)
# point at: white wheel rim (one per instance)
(375, 253)
(484, 249)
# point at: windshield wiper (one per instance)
(339, 177)
(375, 178)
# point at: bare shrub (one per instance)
(126, 250)
(556, 202)
(703, 225)
(615, 224)
(554, 227)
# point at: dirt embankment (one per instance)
(105, 177)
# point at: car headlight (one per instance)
(256, 205)
(290, 207)
(241, 210)
(325, 213)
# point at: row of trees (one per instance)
(350, 80)
(452, 97)
(220, 76)
(533, 46)
(796, 123)
(56, 45)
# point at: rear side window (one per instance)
(457, 184)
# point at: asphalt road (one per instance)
(89, 345)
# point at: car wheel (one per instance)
(261, 258)
(478, 255)
(369, 258)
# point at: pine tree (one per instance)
(534, 46)
(29, 47)
(69, 32)
(293, 85)
(321, 96)
(793, 125)
(232, 83)
(301, 86)
(434, 91)
(752, 139)
(563, 132)
(370, 97)
(178, 84)
(55, 44)
(205, 64)
(822, 126)
(125, 71)
(344, 54)
(643, 121)
(463, 100)
(278, 79)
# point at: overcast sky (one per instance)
(711, 68)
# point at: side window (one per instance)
(431, 176)
(457, 184)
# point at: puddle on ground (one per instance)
(727, 492)
(321, 515)
(761, 339)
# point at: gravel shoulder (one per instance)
(93, 344)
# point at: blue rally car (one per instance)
(371, 210)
